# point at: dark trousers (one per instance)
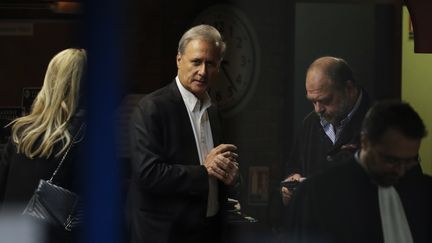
(208, 232)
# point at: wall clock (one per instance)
(239, 70)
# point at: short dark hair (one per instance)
(392, 114)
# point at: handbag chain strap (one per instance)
(67, 151)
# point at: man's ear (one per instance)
(178, 59)
(219, 65)
(364, 141)
(350, 87)
(351, 90)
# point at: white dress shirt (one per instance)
(197, 111)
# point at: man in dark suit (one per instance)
(179, 167)
(377, 195)
(332, 131)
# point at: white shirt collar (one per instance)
(191, 101)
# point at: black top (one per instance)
(19, 175)
(341, 205)
(314, 151)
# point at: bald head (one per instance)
(336, 70)
(330, 87)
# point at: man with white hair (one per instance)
(180, 169)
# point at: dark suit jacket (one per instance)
(341, 205)
(314, 152)
(169, 188)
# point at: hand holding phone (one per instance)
(291, 185)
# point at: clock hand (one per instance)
(227, 75)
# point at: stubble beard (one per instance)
(340, 113)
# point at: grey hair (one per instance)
(203, 32)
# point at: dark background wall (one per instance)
(25, 58)
(290, 34)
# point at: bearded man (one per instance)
(331, 132)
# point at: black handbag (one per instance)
(56, 205)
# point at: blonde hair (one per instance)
(57, 101)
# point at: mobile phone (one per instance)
(291, 185)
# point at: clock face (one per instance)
(238, 72)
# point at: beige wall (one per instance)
(417, 87)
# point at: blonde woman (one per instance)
(40, 139)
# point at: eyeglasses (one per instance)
(397, 162)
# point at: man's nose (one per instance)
(202, 69)
(400, 169)
(318, 107)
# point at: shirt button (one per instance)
(329, 158)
